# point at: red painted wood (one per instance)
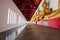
(55, 23)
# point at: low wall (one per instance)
(54, 23)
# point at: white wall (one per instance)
(10, 16)
(53, 4)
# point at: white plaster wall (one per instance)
(4, 6)
(53, 4)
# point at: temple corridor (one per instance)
(38, 32)
(29, 19)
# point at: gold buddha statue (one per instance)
(48, 14)
(46, 10)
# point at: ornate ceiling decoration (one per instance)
(27, 7)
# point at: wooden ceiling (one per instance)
(27, 7)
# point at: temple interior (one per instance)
(29, 19)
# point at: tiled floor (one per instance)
(36, 32)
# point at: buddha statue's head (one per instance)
(44, 5)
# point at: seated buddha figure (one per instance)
(46, 10)
(48, 14)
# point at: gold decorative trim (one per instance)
(58, 3)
